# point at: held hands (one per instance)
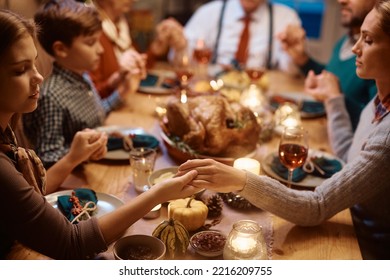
(323, 86)
(169, 34)
(88, 145)
(214, 175)
(293, 40)
(177, 187)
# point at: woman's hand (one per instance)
(177, 187)
(214, 175)
(323, 86)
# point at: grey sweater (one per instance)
(363, 184)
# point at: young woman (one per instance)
(363, 183)
(25, 214)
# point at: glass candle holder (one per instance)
(287, 115)
(245, 242)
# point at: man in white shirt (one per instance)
(220, 25)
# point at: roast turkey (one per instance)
(210, 125)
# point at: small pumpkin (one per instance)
(190, 212)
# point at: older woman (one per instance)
(363, 184)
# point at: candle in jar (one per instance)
(248, 164)
(244, 246)
(290, 122)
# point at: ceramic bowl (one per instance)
(208, 243)
(139, 247)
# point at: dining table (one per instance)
(333, 239)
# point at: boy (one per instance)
(70, 32)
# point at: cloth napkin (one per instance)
(139, 140)
(150, 81)
(329, 166)
(282, 171)
(307, 106)
(312, 107)
(65, 205)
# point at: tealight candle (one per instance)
(245, 242)
(248, 164)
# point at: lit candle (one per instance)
(248, 164)
(244, 246)
(290, 122)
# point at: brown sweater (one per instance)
(27, 217)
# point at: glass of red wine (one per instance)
(255, 68)
(293, 149)
(183, 67)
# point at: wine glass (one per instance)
(255, 68)
(182, 64)
(202, 55)
(293, 149)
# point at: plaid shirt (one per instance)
(68, 103)
(382, 108)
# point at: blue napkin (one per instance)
(312, 107)
(65, 205)
(150, 81)
(139, 140)
(329, 166)
(278, 167)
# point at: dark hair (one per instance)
(12, 28)
(383, 8)
(64, 20)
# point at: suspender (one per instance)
(215, 52)
(270, 38)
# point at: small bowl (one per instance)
(208, 243)
(162, 174)
(139, 247)
(167, 173)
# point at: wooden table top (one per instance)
(334, 239)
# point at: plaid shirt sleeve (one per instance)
(44, 127)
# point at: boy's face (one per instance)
(84, 53)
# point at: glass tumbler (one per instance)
(142, 162)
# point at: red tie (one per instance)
(242, 50)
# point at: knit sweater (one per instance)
(363, 183)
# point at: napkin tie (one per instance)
(79, 205)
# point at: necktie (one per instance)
(242, 50)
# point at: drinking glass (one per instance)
(202, 55)
(142, 162)
(183, 67)
(255, 68)
(293, 149)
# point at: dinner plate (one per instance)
(106, 202)
(158, 82)
(304, 101)
(119, 154)
(309, 181)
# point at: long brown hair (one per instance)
(383, 8)
(12, 28)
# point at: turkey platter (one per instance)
(210, 125)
